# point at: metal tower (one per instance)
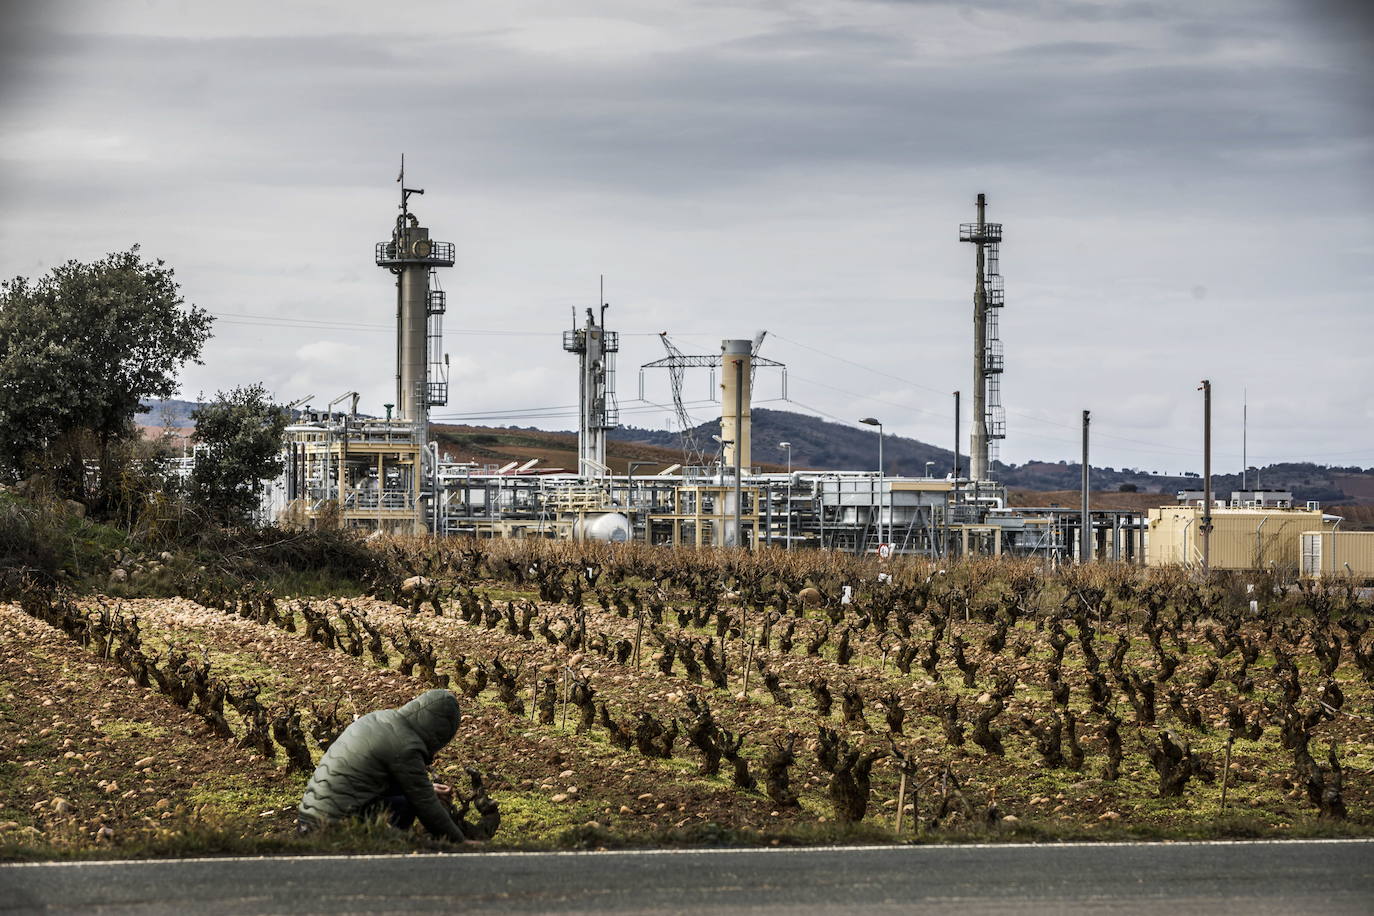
(421, 364)
(677, 363)
(989, 417)
(596, 348)
(744, 351)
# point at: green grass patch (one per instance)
(228, 798)
(532, 819)
(122, 729)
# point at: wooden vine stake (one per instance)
(916, 807)
(744, 635)
(1226, 772)
(566, 695)
(748, 659)
(901, 801)
(907, 767)
(114, 624)
(639, 634)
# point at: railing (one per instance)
(574, 341)
(992, 357)
(378, 499)
(436, 394)
(421, 251)
(362, 499)
(994, 292)
(996, 423)
(577, 497)
(986, 232)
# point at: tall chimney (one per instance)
(733, 351)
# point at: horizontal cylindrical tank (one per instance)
(612, 527)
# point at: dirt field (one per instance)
(1010, 703)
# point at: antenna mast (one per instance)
(406, 192)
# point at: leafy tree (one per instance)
(80, 349)
(238, 443)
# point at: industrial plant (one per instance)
(386, 474)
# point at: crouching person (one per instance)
(379, 765)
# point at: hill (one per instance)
(819, 444)
(555, 450)
(170, 413)
(825, 445)
(816, 443)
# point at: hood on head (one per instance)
(434, 716)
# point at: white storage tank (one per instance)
(612, 527)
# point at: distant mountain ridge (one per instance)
(170, 412)
(825, 445)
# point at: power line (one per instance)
(866, 397)
(1155, 447)
(828, 416)
(549, 413)
(286, 321)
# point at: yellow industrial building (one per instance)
(1242, 538)
(1338, 555)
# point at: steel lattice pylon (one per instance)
(677, 363)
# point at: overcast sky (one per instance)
(1187, 191)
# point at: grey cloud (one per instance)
(724, 113)
(1074, 50)
(1135, 151)
(1057, 10)
(24, 27)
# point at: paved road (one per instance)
(1175, 879)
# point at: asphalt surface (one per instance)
(1295, 877)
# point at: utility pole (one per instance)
(1244, 439)
(957, 457)
(882, 486)
(873, 421)
(788, 446)
(1206, 527)
(1085, 549)
(949, 533)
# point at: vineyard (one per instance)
(619, 695)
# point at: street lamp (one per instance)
(871, 421)
(788, 446)
(929, 465)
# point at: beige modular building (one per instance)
(1247, 538)
(1338, 554)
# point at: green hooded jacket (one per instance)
(383, 751)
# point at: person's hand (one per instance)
(442, 790)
